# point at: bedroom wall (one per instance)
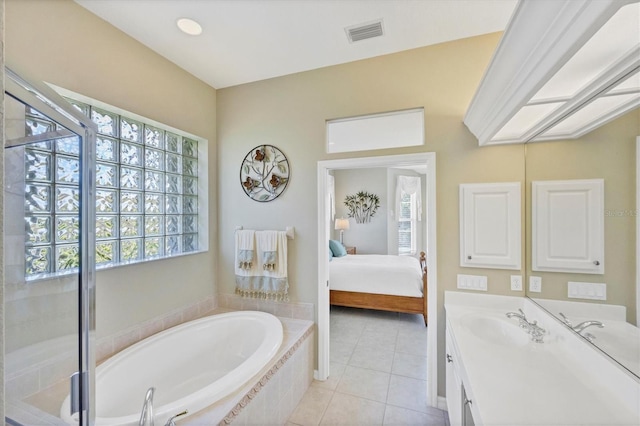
(371, 237)
(290, 112)
(58, 41)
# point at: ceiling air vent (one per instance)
(365, 31)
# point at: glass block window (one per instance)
(52, 198)
(146, 193)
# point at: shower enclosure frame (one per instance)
(48, 102)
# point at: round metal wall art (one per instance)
(264, 173)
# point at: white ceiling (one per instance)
(251, 40)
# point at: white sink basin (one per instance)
(493, 329)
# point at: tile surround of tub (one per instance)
(32, 378)
(302, 311)
(35, 369)
(109, 345)
(270, 396)
(281, 384)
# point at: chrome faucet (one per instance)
(580, 328)
(565, 319)
(172, 419)
(586, 324)
(521, 316)
(536, 332)
(146, 416)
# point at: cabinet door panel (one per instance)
(454, 390)
(568, 226)
(490, 225)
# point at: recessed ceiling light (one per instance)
(189, 26)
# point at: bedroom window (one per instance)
(147, 187)
(407, 224)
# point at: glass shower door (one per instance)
(49, 267)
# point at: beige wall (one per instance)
(59, 42)
(608, 153)
(290, 113)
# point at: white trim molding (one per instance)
(542, 37)
(638, 231)
(422, 159)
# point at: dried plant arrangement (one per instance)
(362, 206)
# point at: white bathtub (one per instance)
(192, 366)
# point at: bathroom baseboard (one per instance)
(442, 403)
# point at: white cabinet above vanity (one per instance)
(568, 226)
(490, 225)
(513, 377)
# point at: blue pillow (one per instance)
(330, 254)
(337, 248)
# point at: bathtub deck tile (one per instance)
(275, 401)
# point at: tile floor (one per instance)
(378, 373)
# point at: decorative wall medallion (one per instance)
(264, 173)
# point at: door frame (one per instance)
(429, 193)
(637, 214)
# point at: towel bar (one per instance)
(290, 230)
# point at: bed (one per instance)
(383, 282)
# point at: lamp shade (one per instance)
(342, 224)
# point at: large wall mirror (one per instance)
(606, 292)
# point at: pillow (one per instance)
(337, 248)
(330, 255)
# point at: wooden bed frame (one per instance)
(385, 302)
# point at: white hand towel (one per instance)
(245, 249)
(268, 246)
(266, 282)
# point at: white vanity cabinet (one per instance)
(490, 225)
(458, 401)
(509, 379)
(568, 226)
(454, 387)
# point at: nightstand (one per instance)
(350, 250)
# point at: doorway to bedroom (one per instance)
(422, 164)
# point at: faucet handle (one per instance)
(537, 332)
(565, 319)
(172, 419)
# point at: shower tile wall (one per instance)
(40, 317)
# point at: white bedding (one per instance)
(376, 273)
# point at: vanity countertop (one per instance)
(520, 382)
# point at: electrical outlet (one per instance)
(535, 284)
(516, 282)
